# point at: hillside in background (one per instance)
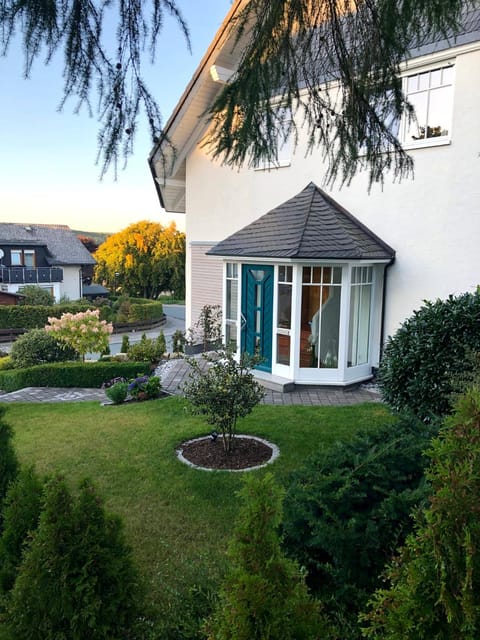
(98, 237)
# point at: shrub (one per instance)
(76, 579)
(117, 393)
(37, 346)
(6, 363)
(125, 344)
(35, 295)
(223, 393)
(144, 387)
(8, 460)
(433, 587)
(146, 350)
(207, 330)
(264, 596)
(347, 509)
(83, 331)
(70, 374)
(34, 317)
(21, 513)
(178, 341)
(429, 350)
(161, 343)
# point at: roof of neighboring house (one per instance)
(311, 225)
(63, 246)
(189, 122)
(95, 290)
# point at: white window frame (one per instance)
(404, 124)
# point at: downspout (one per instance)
(384, 297)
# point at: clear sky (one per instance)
(47, 158)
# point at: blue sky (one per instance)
(47, 159)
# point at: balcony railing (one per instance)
(29, 275)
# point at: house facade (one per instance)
(48, 256)
(316, 279)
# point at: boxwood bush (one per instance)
(430, 350)
(70, 374)
(37, 346)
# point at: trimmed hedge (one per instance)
(70, 374)
(34, 317)
(145, 312)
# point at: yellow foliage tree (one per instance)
(143, 260)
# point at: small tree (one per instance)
(83, 331)
(434, 589)
(8, 460)
(264, 596)
(21, 512)
(224, 391)
(125, 344)
(207, 330)
(76, 579)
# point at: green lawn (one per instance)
(178, 520)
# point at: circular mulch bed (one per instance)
(249, 453)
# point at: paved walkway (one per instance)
(174, 373)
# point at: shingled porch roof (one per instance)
(311, 225)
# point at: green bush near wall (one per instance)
(34, 317)
(70, 374)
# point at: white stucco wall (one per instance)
(432, 221)
(71, 282)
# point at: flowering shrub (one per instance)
(83, 331)
(144, 387)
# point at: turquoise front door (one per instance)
(257, 306)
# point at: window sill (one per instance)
(429, 142)
(269, 167)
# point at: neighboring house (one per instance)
(50, 256)
(317, 280)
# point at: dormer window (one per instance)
(22, 258)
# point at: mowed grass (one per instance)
(177, 519)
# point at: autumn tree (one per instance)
(143, 260)
(285, 45)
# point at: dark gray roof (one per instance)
(62, 244)
(310, 225)
(95, 290)
(469, 31)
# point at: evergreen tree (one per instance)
(264, 596)
(434, 590)
(8, 460)
(21, 512)
(284, 45)
(76, 579)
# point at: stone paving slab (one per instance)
(174, 374)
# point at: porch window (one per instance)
(284, 313)
(360, 311)
(231, 305)
(320, 317)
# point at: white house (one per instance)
(49, 256)
(317, 280)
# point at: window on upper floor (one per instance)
(431, 94)
(22, 258)
(283, 141)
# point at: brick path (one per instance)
(174, 373)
